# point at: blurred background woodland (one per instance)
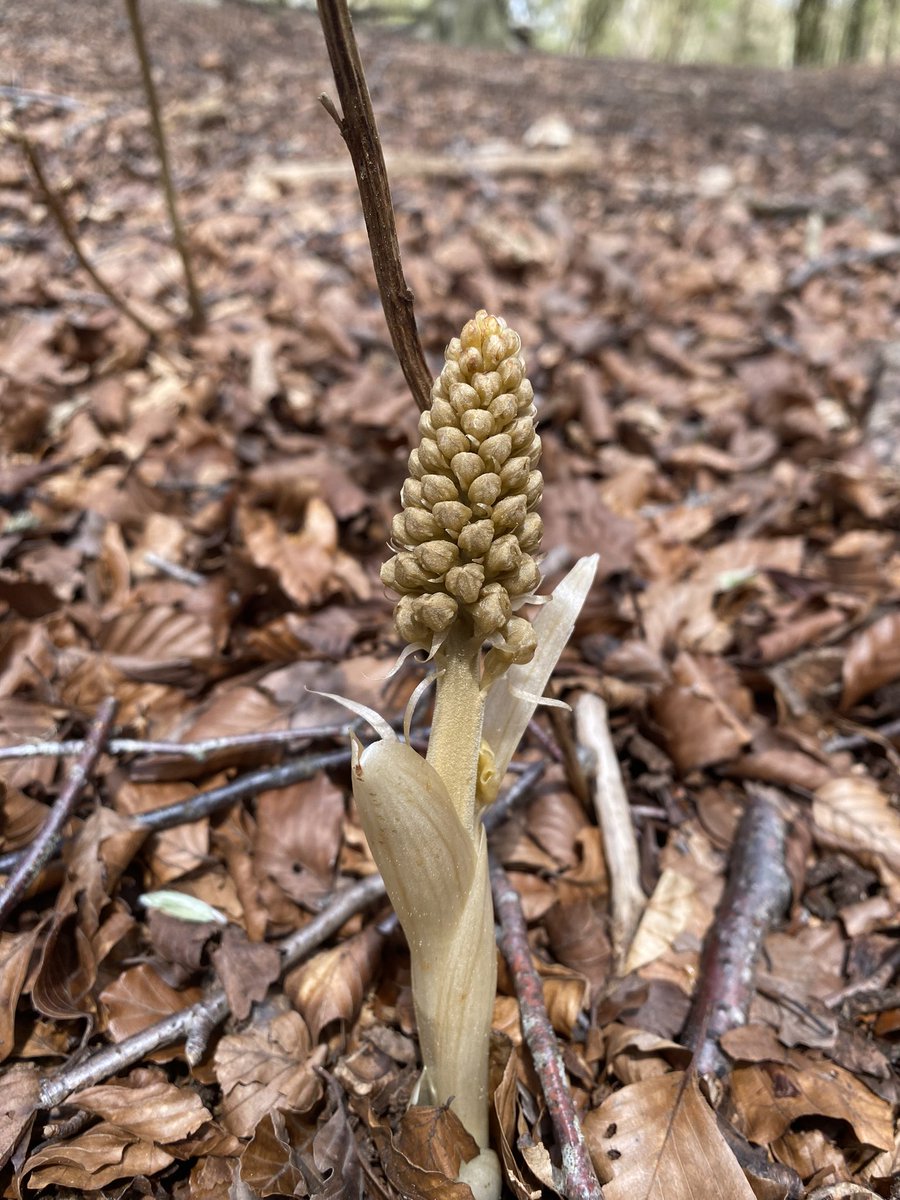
(770, 33)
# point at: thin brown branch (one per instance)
(204, 804)
(209, 1012)
(199, 751)
(800, 277)
(58, 211)
(360, 133)
(578, 1178)
(43, 846)
(195, 301)
(757, 891)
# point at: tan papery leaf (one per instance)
(268, 1066)
(854, 814)
(270, 1163)
(93, 1159)
(410, 1179)
(148, 1107)
(331, 985)
(15, 955)
(139, 998)
(658, 1140)
(872, 659)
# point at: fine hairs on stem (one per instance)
(464, 566)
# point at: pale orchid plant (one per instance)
(464, 566)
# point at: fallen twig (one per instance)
(174, 570)
(204, 804)
(67, 229)
(195, 301)
(196, 1023)
(43, 846)
(801, 276)
(579, 1181)
(360, 133)
(757, 891)
(858, 741)
(198, 751)
(209, 1012)
(614, 818)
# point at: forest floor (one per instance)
(703, 267)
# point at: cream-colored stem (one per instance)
(455, 741)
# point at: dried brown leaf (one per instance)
(245, 969)
(658, 1140)
(419, 1182)
(769, 1096)
(872, 659)
(703, 713)
(269, 1066)
(852, 813)
(15, 955)
(298, 836)
(271, 1162)
(147, 1106)
(20, 1094)
(93, 1159)
(331, 985)
(139, 998)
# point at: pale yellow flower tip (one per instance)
(468, 534)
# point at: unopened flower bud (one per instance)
(509, 512)
(475, 540)
(467, 519)
(465, 582)
(485, 489)
(436, 488)
(466, 467)
(436, 558)
(437, 612)
(453, 515)
(503, 556)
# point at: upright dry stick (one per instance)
(359, 131)
(195, 301)
(43, 846)
(614, 819)
(67, 229)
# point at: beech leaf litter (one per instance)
(193, 524)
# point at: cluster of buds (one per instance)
(468, 532)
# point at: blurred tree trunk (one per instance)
(854, 39)
(890, 38)
(809, 36)
(473, 23)
(682, 12)
(595, 18)
(742, 46)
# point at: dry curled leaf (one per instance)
(872, 659)
(331, 986)
(854, 814)
(147, 1106)
(138, 998)
(426, 1180)
(91, 1160)
(658, 1140)
(271, 1065)
(246, 970)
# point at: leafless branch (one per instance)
(198, 751)
(67, 229)
(195, 301)
(204, 804)
(43, 846)
(579, 1180)
(800, 277)
(360, 134)
(755, 895)
(211, 1010)
(614, 819)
